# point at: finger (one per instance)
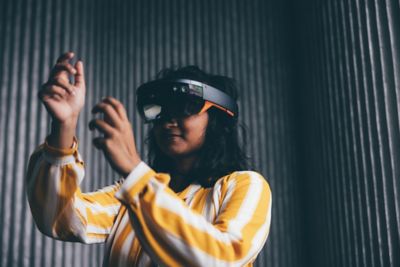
(108, 110)
(50, 91)
(117, 105)
(99, 142)
(101, 126)
(65, 57)
(63, 67)
(58, 81)
(80, 74)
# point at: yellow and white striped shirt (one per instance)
(143, 221)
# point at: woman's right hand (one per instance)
(64, 100)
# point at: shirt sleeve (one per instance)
(58, 206)
(174, 235)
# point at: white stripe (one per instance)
(262, 234)
(59, 161)
(208, 207)
(230, 189)
(164, 200)
(93, 239)
(107, 189)
(195, 256)
(77, 227)
(248, 205)
(133, 178)
(52, 197)
(201, 258)
(193, 189)
(217, 196)
(121, 227)
(33, 177)
(80, 173)
(144, 259)
(93, 229)
(97, 208)
(124, 253)
(81, 207)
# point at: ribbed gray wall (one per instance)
(351, 112)
(122, 44)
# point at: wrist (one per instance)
(62, 133)
(66, 124)
(132, 165)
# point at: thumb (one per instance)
(80, 74)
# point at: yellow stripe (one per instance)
(199, 200)
(97, 235)
(135, 251)
(119, 242)
(194, 237)
(102, 220)
(65, 194)
(38, 196)
(232, 208)
(158, 245)
(140, 185)
(260, 213)
(102, 198)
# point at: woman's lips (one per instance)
(172, 135)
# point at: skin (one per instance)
(179, 139)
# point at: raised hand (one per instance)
(117, 143)
(63, 99)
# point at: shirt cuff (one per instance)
(135, 182)
(61, 156)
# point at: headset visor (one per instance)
(180, 98)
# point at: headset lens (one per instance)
(176, 107)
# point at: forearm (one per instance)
(58, 206)
(62, 133)
(52, 183)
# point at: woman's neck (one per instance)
(180, 176)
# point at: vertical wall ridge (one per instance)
(123, 44)
(355, 134)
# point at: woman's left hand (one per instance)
(118, 142)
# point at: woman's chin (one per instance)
(174, 150)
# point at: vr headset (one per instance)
(162, 99)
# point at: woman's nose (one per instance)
(169, 122)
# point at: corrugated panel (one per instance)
(124, 43)
(352, 138)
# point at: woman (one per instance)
(195, 206)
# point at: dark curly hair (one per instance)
(222, 151)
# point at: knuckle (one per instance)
(106, 108)
(50, 88)
(113, 132)
(108, 142)
(53, 80)
(58, 79)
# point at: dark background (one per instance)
(320, 95)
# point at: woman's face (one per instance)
(182, 137)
